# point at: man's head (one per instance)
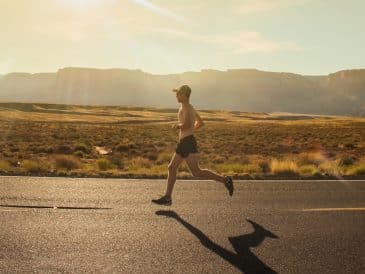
(182, 91)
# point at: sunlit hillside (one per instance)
(248, 90)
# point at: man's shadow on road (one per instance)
(243, 259)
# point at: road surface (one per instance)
(63, 225)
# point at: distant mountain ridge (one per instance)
(339, 93)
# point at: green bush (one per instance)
(347, 161)
(79, 154)
(116, 160)
(31, 166)
(83, 148)
(357, 170)
(103, 164)
(308, 170)
(4, 165)
(163, 157)
(238, 168)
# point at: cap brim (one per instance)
(175, 90)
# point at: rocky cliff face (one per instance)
(341, 93)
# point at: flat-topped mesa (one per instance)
(340, 93)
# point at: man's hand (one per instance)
(199, 121)
(176, 126)
(198, 124)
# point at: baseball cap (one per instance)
(184, 89)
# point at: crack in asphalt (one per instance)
(57, 207)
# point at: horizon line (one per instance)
(188, 71)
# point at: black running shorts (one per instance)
(187, 145)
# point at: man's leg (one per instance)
(173, 166)
(193, 162)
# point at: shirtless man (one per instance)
(187, 149)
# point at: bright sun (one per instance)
(80, 3)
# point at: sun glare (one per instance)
(80, 3)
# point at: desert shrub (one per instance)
(13, 161)
(308, 170)
(152, 155)
(264, 166)
(4, 165)
(116, 160)
(140, 162)
(330, 167)
(163, 158)
(48, 150)
(83, 148)
(7, 154)
(310, 158)
(357, 170)
(67, 162)
(350, 145)
(79, 154)
(14, 149)
(123, 147)
(347, 160)
(283, 167)
(40, 148)
(64, 149)
(251, 168)
(31, 166)
(160, 144)
(103, 164)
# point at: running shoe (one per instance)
(229, 185)
(163, 201)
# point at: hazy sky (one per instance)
(169, 36)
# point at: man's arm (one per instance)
(199, 121)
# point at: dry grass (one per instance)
(4, 165)
(308, 170)
(142, 143)
(104, 164)
(358, 169)
(284, 167)
(139, 161)
(310, 158)
(331, 168)
(31, 166)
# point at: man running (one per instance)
(187, 149)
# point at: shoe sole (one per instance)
(230, 187)
(165, 204)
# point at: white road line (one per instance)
(150, 179)
(330, 209)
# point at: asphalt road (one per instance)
(60, 225)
